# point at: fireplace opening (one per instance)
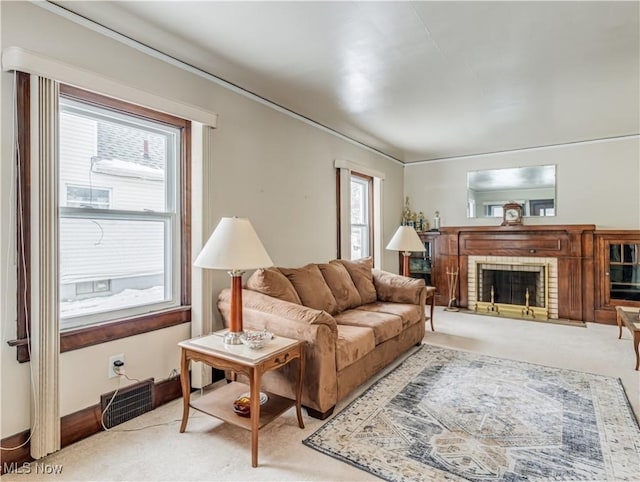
(510, 287)
(510, 284)
(514, 286)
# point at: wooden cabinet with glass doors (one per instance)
(424, 265)
(618, 272)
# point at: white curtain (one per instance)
(45, 322)
(202, 224)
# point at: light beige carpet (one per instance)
(211, 450)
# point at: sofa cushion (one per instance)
(340, 284)
(353, 343)
(384, 325)
(311, 287)
(360, 272)
(409, 314)
(271, 282)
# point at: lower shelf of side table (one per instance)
(219, 403)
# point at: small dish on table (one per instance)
(256, 339)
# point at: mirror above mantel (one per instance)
(533, 187)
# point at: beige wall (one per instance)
(268, 166)
(275, 170)
(597, 183)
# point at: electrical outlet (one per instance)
(112, 359)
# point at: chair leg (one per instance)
(433, 304)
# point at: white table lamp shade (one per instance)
(233, 245)
(405, 239)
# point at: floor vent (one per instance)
(128, 403)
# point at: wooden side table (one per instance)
(629, 316)
(212, 351)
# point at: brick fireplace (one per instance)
(564, 252)
(508, 284)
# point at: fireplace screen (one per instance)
(511, 284)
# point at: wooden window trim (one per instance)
(338, 216)
(93, 335)
(23, 223)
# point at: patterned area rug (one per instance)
(451, 415)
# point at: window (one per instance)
(129, 240)
(542, 207)
(494, 210)
(124, 217)
(91, 287)
(88, 197)
(361, 216)
(359, 194)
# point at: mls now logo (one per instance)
(32, 468)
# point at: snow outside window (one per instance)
(119, 215)
(88, 197)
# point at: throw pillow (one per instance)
(311, 288)
(360, 272)
(341, 285)
(271, 282)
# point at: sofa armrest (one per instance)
(290, 315)
(317, 328)
(399, 289)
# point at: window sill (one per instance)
(94, 335)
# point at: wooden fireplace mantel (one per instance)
(520, 228)
(571, 244)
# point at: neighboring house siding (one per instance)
(77, 144)
(92, 249)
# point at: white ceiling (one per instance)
(415, 80)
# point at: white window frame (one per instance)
(365, 229)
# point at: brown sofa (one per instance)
(355, 321)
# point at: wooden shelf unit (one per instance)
(424, 265)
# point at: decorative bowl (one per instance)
(256, 339)
(242, 406)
